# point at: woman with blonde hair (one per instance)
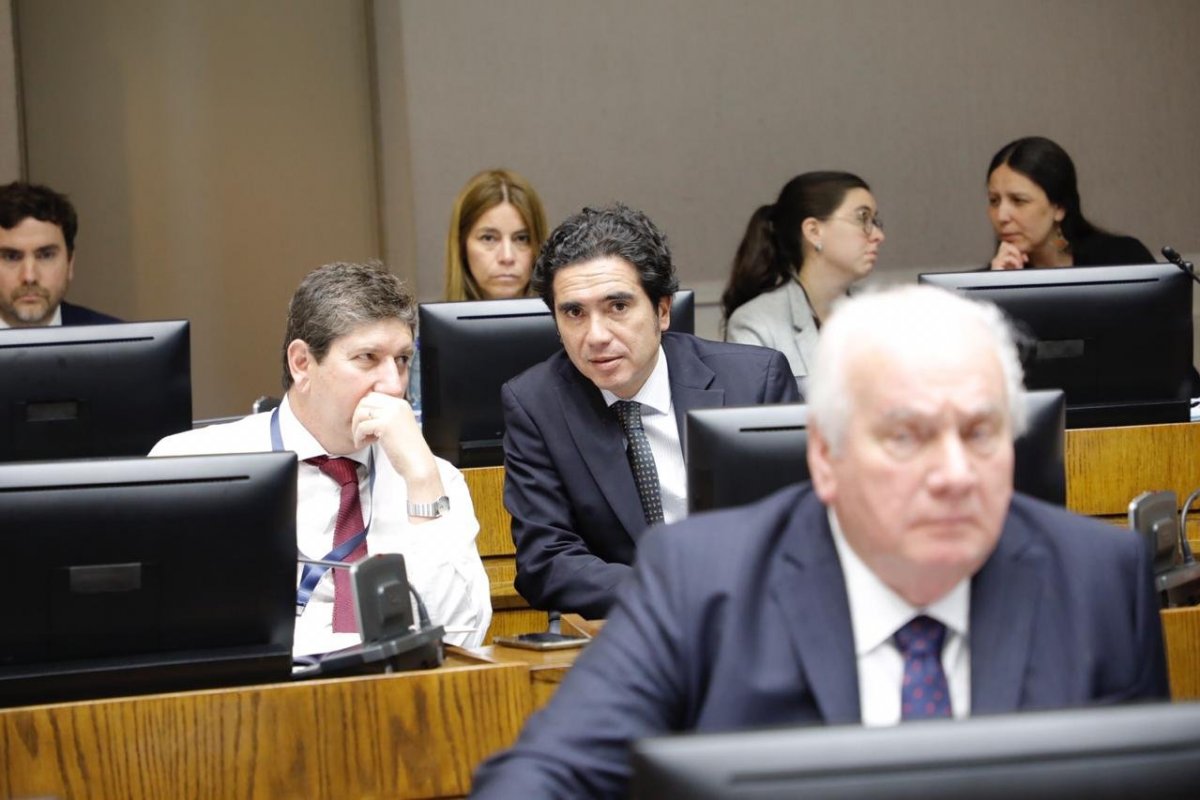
(496, 230)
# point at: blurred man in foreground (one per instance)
(907, 582)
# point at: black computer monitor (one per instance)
(469, 350)
(1103, 752)
(1117, 340)
(738, 454)
(93, 390)
(136, 575)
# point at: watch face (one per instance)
(442, 504)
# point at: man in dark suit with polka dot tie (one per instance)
(592, 446)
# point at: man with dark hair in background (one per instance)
(592, 443)
(37, 259)
(364, 467)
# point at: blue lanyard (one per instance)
(313, 573)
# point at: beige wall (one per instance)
(216, 152)
(219, 150)
(10, 119)
(699, 110)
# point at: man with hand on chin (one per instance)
(368, 482)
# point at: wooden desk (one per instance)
(546, 669)
(421, 734)
(408, 735)
(1108, 467)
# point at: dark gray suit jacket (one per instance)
(82, 315)
(576, 516)
(739, 619)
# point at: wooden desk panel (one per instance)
(410, 735)
(1181, 635)
(487, 494)
(546, 668)
(1108, 467)
(510, 613)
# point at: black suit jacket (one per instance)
(576, 516)
(81, 315)
(740, 619)
(1106, 249)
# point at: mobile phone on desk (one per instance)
(543, 640)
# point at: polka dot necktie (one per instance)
(349, 524)
(924, 693)
(641, 460)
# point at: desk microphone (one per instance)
(1179, 261)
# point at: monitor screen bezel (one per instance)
(88, 391)
(718, 477)
(1104, 751)
(152, 574)
(1090, 339)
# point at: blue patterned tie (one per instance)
(641, 460)
(924, 693)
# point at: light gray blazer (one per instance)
(781, 320)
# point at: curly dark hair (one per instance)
(615, 230)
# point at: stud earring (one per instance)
(818, 247)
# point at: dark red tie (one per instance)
(349, 523)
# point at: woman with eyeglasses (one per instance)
(1033, 203)
(798, 256)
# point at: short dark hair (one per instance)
(20, 201)
(334, 299)
(1045, 163)
(615, 230)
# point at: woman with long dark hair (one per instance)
(1033, 203)
(798, 256)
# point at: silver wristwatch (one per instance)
(429, 510)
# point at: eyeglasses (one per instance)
(868, 222)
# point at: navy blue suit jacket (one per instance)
(739, 619)
(81, 315)
(576, 516)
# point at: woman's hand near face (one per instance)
(1009, 257)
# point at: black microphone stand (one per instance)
(1180, 262)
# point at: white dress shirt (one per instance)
(440, 555)
(662, 432)
(876, 613)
